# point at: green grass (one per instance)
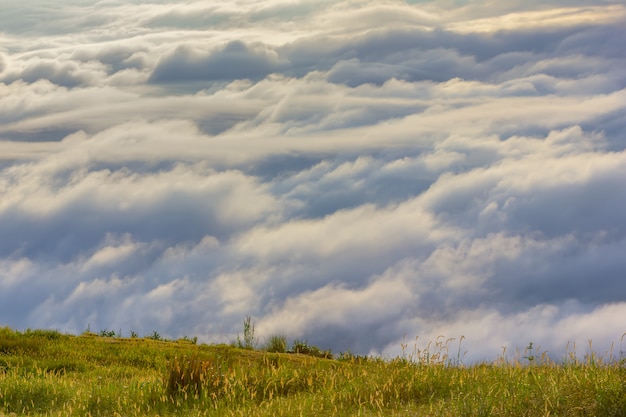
(44, 373)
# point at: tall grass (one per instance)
(43, 374)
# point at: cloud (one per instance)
(557, 330)
(352, 176)
(334, 310)
(550, 18)
(191, 16)
(234, 61)
(118, 200)
(116, 57)
(64, 74)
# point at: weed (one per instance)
(248, 333)
(249, 339)
(303, 347)
(351, 357)
(44, 334)
(276, 343)
(154, 336)
(187, 339)
(106, 333)
(529, 353)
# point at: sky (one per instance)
(364, 175)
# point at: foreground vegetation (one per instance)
(45, 373)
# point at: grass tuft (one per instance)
(189, 375)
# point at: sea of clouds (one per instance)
(353, 173)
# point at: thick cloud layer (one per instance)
(351, 173)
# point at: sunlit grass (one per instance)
(48, 374)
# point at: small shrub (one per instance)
(154, 336)
(276, 343)
(303, 347)
(106, 333)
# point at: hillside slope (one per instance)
(45, 373)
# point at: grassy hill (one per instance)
(45, 373)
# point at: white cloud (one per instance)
(556, 330)
(549, 19)
(115, 252)
(343, 172)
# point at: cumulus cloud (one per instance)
(353, 175)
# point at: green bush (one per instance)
(276, 343)
(303, 347)
(107, 333)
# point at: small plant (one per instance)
(529, 353)
(348, 356)
(192, 340)
(154, 336)
(249, 340)
(106, 333)
(276, 343)
(133, 334)
(300, 346)
(303, 347)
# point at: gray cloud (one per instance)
(354, 177)
(192, 18)
(116, 57)
(235, 60)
